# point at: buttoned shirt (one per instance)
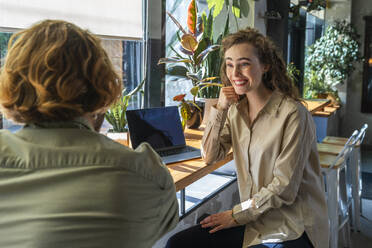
(277, 167)
(64, 185)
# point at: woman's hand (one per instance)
(227, 97)
(219, 221)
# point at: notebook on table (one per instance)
(162, 129)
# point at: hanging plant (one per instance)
(316, 5)
(330, 60)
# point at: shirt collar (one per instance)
(79, 123)
(271, 107)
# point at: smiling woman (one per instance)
(272, 136)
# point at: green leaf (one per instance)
(194, 91)
(226, 29)
(194, 104)
(195, 76)
(207, 85)
(135, 90)
(179, 71)
(205, 53)
(209, 79)
(208, 24)
(217, 4)
(244, 8)
(173, 60)
(172, 42)
(109, 118)
(203, 44)
(178, 55)
(236, 8)
(185, 111)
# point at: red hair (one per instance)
(56, 71)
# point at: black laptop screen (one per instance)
(160, 127)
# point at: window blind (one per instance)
(122, 18)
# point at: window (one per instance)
(302, 33)
(178, 9)
(120, 32)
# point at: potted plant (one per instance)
(330, 59)
(189, 62)
(309, 5)
(117, 118)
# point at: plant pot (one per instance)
(209, 102)
(122, 138)
(196, 117)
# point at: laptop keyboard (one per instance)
(175, 151)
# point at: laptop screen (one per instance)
(160, 127)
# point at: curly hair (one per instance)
(276, 77)
(56, 71)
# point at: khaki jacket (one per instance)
(277, 165)
(64, 185)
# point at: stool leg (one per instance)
(348, 235)
(356, 188)
(332, 201)
(353, 169)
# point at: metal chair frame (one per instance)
(338, 199)
(357, 178)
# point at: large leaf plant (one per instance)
(189, 61)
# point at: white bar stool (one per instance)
(339, 198)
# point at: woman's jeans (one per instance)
(197, 236)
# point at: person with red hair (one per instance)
(62, 184)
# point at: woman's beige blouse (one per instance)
(277, 166)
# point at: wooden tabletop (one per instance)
(330, 149)
(326, 160)
(335, 140)
(315, 105)
(186, 172)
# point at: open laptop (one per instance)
(162, 129)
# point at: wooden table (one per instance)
(186, 172)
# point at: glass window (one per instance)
(126, 56)
(173, 85)
(302, 32)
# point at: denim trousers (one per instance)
(196, 236)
